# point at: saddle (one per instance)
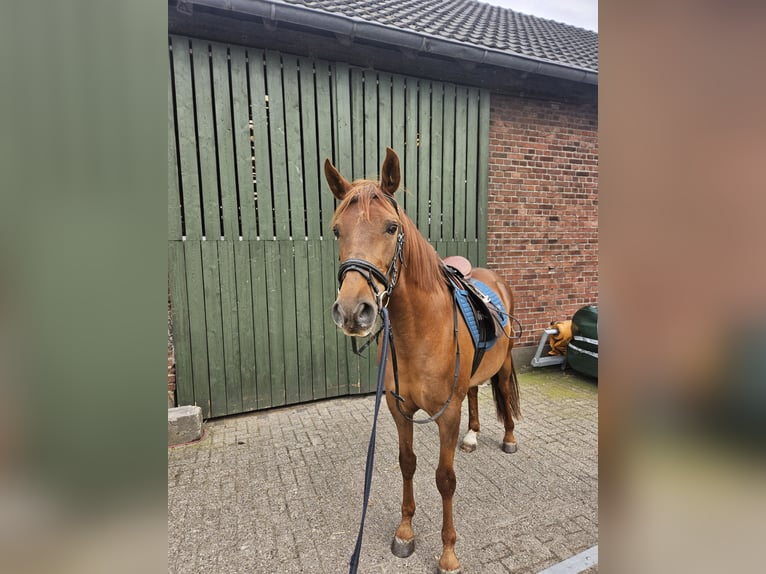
(483, 311)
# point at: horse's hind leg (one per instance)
(404, 539)
(470, 438)
(505, 390)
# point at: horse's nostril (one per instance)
(365, 314)
(337, 314)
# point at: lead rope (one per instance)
(354, 563)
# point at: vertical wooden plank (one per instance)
(458, 247)
(179, 313)
(175, 227)
(474, 253)
(246, 330)
(317, 305)
(342, 134)
(261, 110)
(357, 125)
(279, 179)
(224, 141)
(309, 119)
(455, 247)
(411, 148)
(261, 321)
(275, 315)
(305, 340)
(216, 359)
(197, 325)
(206, 139)
(324, 116)
(292, 97)
(472, 163)
(347, 92)
(187, 139)
(384, 117)
(230, 326)
(424, 156)
(483, 177)
(442, 248)
(358, 366)
(335, 367)
(371, 145)
(289, 322)
(461, 131)
(452, 248)
(398, 121)
(437, 119)
(242, 145)
(372, 368)
(367, 369)
(448, 163)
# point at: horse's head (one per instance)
(370, 237)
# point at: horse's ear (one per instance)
(338, 184)
(389, 173)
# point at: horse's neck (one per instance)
(414, 310)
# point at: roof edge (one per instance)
(352, 27)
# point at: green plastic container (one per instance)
(582, 351)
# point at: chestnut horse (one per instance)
(394, 265)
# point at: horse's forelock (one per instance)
(362, 193)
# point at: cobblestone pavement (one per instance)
(280, 491)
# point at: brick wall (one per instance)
(543, 207)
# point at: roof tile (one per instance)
(474, 22)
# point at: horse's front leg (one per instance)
(470, 438)
(449, 429)
(403, 544)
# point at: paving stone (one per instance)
(288, 499)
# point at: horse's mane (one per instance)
(421, 262)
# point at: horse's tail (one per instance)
(513, 396)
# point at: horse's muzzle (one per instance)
(355, 319)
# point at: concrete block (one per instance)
(522, 357)
(184, 424)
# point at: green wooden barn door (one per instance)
(251, 259)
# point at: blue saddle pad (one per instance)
(471, 320)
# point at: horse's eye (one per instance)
(335, 232)
(392, 228)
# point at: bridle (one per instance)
(368, 270)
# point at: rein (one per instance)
(354, 563)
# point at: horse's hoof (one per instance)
(510, 447)
(469, 441)
(441, 570)
(402, 548)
